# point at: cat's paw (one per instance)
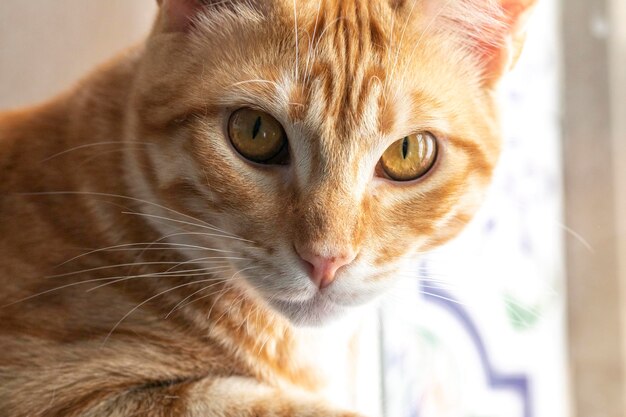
(322, 412)
(259, 400)
(312, 410)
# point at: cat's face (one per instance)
(330, 144)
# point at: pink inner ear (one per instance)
(179, 13)
(516, 12)
(500, 58)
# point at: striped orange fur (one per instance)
(147, 269)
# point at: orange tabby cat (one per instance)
(175, 227)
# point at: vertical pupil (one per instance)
(256, 128)
(405, 147)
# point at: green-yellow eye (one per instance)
(411, 157)
(257, 136)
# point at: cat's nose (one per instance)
(323, 269)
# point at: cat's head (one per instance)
(322, 143)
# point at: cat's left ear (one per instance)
(178, 15)
(500, 55)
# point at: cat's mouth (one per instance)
(316, 311)
(305, 305)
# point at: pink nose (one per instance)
(323, 269)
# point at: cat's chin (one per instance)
(314, 312)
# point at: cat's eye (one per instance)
(411, 157)
(257, 136)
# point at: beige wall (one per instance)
(45, 45)
(618, 67)
(595, 177)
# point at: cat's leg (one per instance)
(218, 397)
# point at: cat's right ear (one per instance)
(178, 15)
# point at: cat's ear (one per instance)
(493, 30)
(500, 55)
(178, 15)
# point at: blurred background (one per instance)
(525, 314)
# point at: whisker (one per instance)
(90, 145)
(200, 260)
(406, 24)
(138, 246)
(208, 295)
(217, 3)
(223, 291)
(577, 236)
(266, 339)
(156, 242)
(180, 304)
(237, 84)
(147, 301)
(332, 22)
(90, 158)
(97, 194)
(89, 281)
(173, 274)
(73, 284)
(443, 298)
(204, 234)
(164, 248)
(295, 19)
(120, 278)
(238, 300)
(308, 71)
(100, 268)
(154, 216)
(391, 39)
